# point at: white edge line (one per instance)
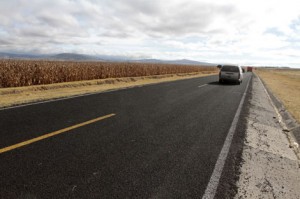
(213, 183)
(60, 99)
(94, 93)
(202, 85)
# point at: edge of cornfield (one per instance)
(30, 94)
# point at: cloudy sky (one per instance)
(258, 32)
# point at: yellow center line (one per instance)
(21, 144)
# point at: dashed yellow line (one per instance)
(21, 144)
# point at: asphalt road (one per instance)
(162, 142)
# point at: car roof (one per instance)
(231, 65)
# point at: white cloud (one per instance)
(226, 30)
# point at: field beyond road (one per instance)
(284, 84)
(16, 73)
(27, 94)
(25, 81)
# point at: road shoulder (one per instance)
(270, 167)
(290, 125)
(32, 94)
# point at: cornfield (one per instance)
(16, 73)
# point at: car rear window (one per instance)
(230, 69)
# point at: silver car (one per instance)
(231, 73)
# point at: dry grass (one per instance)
(21, 95)
(16, 73)
(285, 84)
(24, 81)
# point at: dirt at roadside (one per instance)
(285, 85)
(29, 94)
(270, 167)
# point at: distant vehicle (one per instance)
(231, 73)
(249, 69)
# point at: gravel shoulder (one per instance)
(269, 166)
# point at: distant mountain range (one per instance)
(71, 56)
(83, 57)
(180, 61)
(4, 55)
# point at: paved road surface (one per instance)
(162, 142)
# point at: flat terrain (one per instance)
(284, 84)
(28, 94)
(161, 141)
(17, 73)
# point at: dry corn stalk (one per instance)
(15, 73)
